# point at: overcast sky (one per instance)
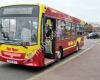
(88, 10)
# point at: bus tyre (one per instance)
(60, 54)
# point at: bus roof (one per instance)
(50, 12)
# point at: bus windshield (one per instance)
(19, 24)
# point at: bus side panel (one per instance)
(58, 44)
(68, 46)
(66, 49)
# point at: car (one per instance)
(93, 35)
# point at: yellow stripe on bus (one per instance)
(66, 48)
(69, 47)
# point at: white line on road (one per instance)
(60, 64)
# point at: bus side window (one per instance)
(68, 28)
(64, 30)
(80, 30)
(59, 30)
(73, 32)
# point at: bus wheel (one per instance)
(60, 54)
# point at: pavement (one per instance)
(84, 67)
(54, 71)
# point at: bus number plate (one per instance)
(12, 61)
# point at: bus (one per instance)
(37, 35)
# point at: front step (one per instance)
(49, 61)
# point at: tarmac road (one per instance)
(17, 72)
(85, 66)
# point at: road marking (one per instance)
(60, 64)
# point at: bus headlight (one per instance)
(29, 55)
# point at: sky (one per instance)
(88, 10)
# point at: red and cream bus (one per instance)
(37, 35)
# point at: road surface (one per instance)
(84, 67)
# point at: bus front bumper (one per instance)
(36, 61)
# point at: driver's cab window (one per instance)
(19, 29)
(29, 31)
(8, 28)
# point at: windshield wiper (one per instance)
(4, 41)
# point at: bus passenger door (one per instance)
(49, 26)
